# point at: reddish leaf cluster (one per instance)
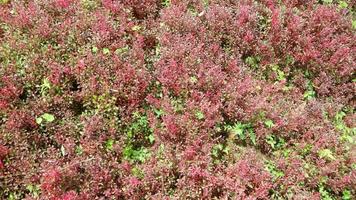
(177, 99)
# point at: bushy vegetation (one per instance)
(177, 99)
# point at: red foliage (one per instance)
(181, 99)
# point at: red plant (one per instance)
(177, 99)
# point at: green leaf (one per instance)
(346, 194)
(94, 49)
(238, 130)
(273, 170)
(122, 50)
(109, 144)
(252, 137)
(343, 4)
(327, 154)
(271, 141)
(193, 79)
(45, 86)
(136, 28)
(4, 1)
(199, 115)
(151, 138)
(137, 172)
(63, 151)
(34, 190)
(132, 154)
(38, 120)
(327, 1)
(106, 51)
(166, 3)
(158, 112)
(79, 150)
(253, 61)
(269, 123)
(48, 117)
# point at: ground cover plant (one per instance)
(177, 99)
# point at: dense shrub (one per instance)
(177, 99)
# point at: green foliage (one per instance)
(343, 4)
(14, 196)
(166, 3)
(275, 142)
(306, 150)
(199, 115)
(139, 126)
(45, 87)
(45, 117)
(135, 154)
(104, 103)
(138, 173)
(269, 123)
(325, 193)
(280, 74)
(122, 50)
(327, 1)
(347, 133)
(4, 1)
(253, 61)
(109, 144)
(309, 93)
(89, 4)
(94, 49)
(138, 134)
(346, 194)
(106, 51)
(242, 131)
(326, 154)
(136, 28)
(273, 170)
(178, 106)
(63, 151)
(218, 151)
(158, 112)
(78, 149)
(193, 79)
(206, 2)
(34, 190)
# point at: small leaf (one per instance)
(199, 115)
(122, 50)
(328, 1)
(63, 151)
(79, 150)
(151, 138)
(166, 3)
(106, 51)
(136, 28)
(238, 130)
(109, 144)
(38, 120)
(4, 1)
(252, 137)
(193, 79)
(343, 4)
(48, 117)
(94, 49)
(327, 154)
(158, 112)
(271, 141)
(269, 123)
(346, 194)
